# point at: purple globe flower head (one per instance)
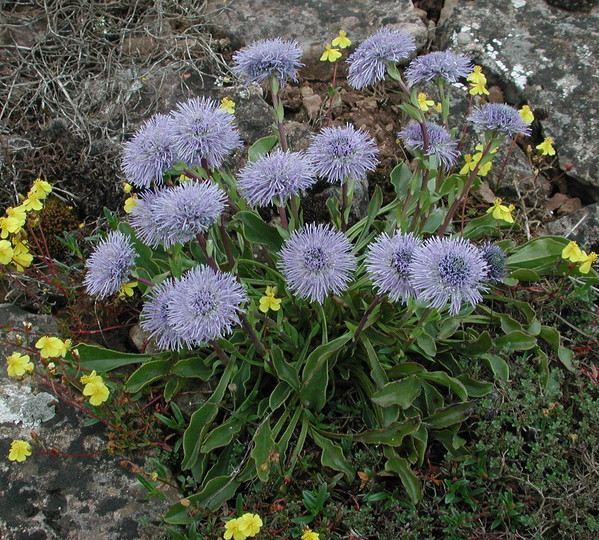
(496, 260)
(175, 215)
(343, 153)
(501, 118)
(275, 177)
(448, 270)
(149, 153)
(109, 266)
(201, 129)
(154, 316)
(268, 58)
(368, 63)
(317, 261)
(205, 305)
(446, 65)
(388, 262)
(440, 143)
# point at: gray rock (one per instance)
(313, 23)
(547, 58)
(581, 226)
(574, 5)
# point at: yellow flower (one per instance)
(502, 212)
(587, 261)
(18, 213)
(18, 364)
(97, 391)
(32, 203)
(66, 345)
(342, 41)
(127, 187)
(19, 451)
(310, 535)
(546, 147)
(51, 347)
(21, 257)
(183, 178)
(439, 107)
(249, 524)
(227, 105)
(127, 289)
(477, 76)
(268, 301)
(130, 203)
(6, 252)
(93, 376)
(40, 189)
(330, 54)
(526, 114)
(424, 103)
(233, 530)
(572, 252)
(467, 164)
(477, 89)
(471, 161)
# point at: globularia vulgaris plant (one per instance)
(281, 317)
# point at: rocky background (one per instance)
(64, 116)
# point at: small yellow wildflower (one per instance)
(477, 76)
(66, 345)
(500, 211)
(21, 257)
(6, 252)
(93, 376)
(51, 347)
(439, 107)
(127, 289)
(546, 147)
(233, 530)
(310, 535)
(341, 41)
(19, 451)
(249, 524)
(18, 213)
(9, 225)
(424, 103)
(40, 189)
(477, 89)
(572, 252)
(330, 54)
(18, 364)
(131, 203)
(526, 114)
(227, 105)
(587, 262)
(32, 203)
(127, 187)
(97, 391)
(268, 301)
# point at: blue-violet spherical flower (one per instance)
(343, 153)
(368, 63)
(201, 129)
(275, 177)
(448, 270)
(149, 153)
(446, 65)
(317, 261)
(109, 266)
(496, 260)
(501, 118)
(176, 214)
(388, 262)
(268, 58)
(154, 316)
(205, 305)
(440, 143)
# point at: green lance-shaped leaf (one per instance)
(516, 341)
(315, 376)
(539, 254)
(393, 435)
(332, 455)
(262, 147)
(552, 336)
(147, 374)
(447, 416)
(497, 365)
(103, 360)
(221, 435)
(401, 393)
(440, 377)
(401, 467)
(264, 446)
(258, 232)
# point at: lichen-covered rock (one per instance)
(313, 24)
(581, 226)
(546, 57)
